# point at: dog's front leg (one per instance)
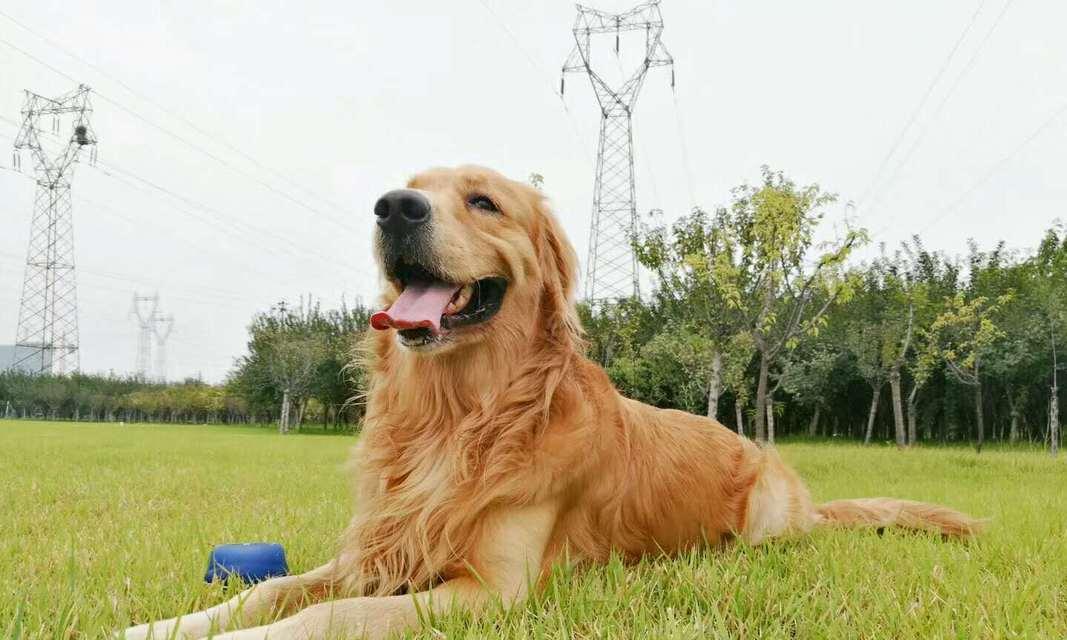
(507, 561)
(272, 596)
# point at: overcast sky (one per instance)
(337, 102)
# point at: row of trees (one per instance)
(297, 370)
(751, 313)
(117, 399)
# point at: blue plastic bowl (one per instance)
(252, 562)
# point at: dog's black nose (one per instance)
(402, 210)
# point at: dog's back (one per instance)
(666, 480)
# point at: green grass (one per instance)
(102, 525)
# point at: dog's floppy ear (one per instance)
(559, 271)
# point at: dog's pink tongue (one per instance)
(420, 305)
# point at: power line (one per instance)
(341, 223)
(968, 66)
(997, 166)
(204, 296)
(212, 297)
(922, 102)
(128, 278)
(214, 215)
(266, 185)
(126, 217)
(577, 130)
(208, 134)
(123, 175)
(221, 295)
(293, 249)
(682, 142)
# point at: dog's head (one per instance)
(467, 253)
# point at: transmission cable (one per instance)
(913, 147)
(340, 222)
(922, 102)
(997, 166)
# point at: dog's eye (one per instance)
(482, 203)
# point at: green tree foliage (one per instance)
(694, 262)
(774, 275)
(299, 356)
(808, 376)
(879, 327)
(116, 399)
(958, 344)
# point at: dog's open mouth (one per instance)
(429, 307)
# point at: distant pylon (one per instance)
(611, 271)
(47, 336)
(162, 326)
(145, 310)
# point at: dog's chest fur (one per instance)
(414, 521)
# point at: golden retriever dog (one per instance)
(493, 449)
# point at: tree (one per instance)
(807, 377)
(1054, 403)
(285, 353)
(692, 260)
(773, 280)
(879, 334)
(1049, 290)
(291, 362)
(931, 279)
(618, 329)
(735, 380)
(962, 335)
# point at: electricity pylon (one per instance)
(145, 310)
(612, 271)
(47, 337)
(162, 326)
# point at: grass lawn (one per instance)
(102, 525)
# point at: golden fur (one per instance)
(487, 460)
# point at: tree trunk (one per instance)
(283, 419)
(740, 417)
(978, 416)
(770, 419)
(813, 426)
(761, 398)
(1013, 432)
(300, 406)
(873, 413)
(715, 385)
(1054, 422)
(913, 427)
(898, 408)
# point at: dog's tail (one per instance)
(891, 512)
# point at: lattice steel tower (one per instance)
(145, 310)
(163, 326)
(612, 271)
(47, 337)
